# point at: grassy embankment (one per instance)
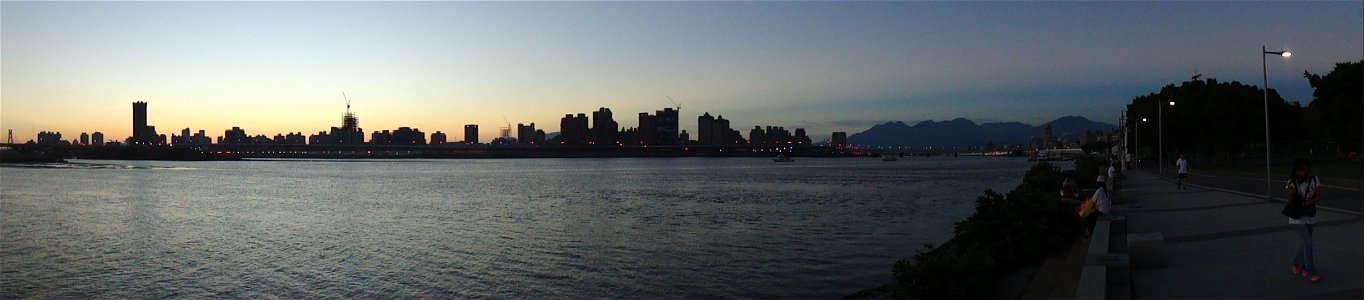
(1007, 232)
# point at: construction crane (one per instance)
(678, 105)
(506, 131)
(343, 95)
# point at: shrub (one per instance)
(1005, 232)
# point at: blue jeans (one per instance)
(1303, 260)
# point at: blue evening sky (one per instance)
(273, 67)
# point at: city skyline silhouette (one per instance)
(279, 67)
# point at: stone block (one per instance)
(1147, 250)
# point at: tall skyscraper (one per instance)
(141, 133)
(667, 126)
(648, 130)
(97, 138)
(604, 128)
(85, 139)
(573, 130)
(801, 138)
(720, 132)
(525, 134)
(705, 129)
(139, 122)
(471, 133)
(839, 140)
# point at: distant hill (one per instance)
(961, 132)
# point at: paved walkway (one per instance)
(1225, 245)
(1336, 193)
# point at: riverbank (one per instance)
(15, 157)
(1007, 232)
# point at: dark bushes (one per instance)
(1006, 232)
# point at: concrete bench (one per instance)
(1147, 250)
(1098, 243)
(1093, 282)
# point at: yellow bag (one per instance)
(1086, 207)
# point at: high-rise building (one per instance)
(50, 138)
(85, 139)
(839, 139)
(658, 129)
(573, 130)
(705, 129)
(667, 126)
(381, 137)
(471, 134)
(721, 134)
(143, 134)
(438, 138)
(182, 139)
(296, 138)
(604, 128)
(647, 134)
(757, 135)
(409, 136)
(139, 122)
(528, 135)
(349, 133)
(801, 138)
(97, 138)
(235, 136)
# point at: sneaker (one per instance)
(1314, 278)
(1297, 271)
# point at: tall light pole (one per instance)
(1137, 142)
(1125, 144)
(1264, 68)
(1160, 137)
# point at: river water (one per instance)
(510, 228)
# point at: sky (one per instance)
(277, 67)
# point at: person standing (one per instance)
(1182, 167)
(1112, 176)
(1302, 190)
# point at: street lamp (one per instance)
(1264, 68)
(1137, 142)
(1160, 138)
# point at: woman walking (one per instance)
(1302, 190)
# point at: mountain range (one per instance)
(961, 132)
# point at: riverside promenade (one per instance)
(1220, 244)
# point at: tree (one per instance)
(1213, 120)
(1335, 111)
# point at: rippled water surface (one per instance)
(523, 228)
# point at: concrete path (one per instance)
(1226, 245)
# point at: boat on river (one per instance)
(782, 158)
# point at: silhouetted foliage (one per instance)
(1095, 147)
(1005, 232)
(1087, 171)
(1213, 120)
(1335, 112)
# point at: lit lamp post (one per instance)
(1160, 138)
(1136, 143)
(1264, 68)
